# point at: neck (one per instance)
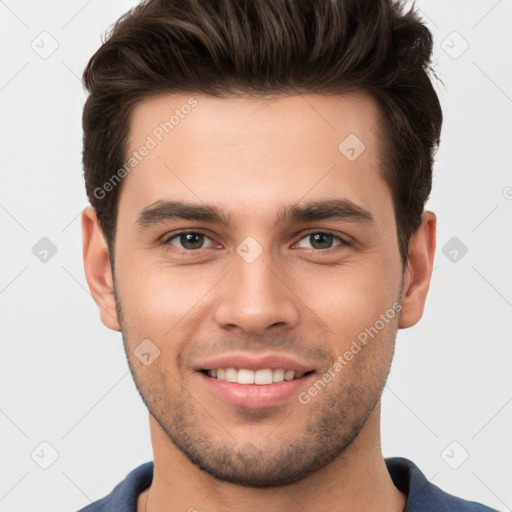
(357, 480)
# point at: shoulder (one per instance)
(124, 495)
(424, 496)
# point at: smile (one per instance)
(261, 377)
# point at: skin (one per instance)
(248, 157)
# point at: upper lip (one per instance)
(253, 362)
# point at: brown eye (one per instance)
(320, 240)
(189, 241)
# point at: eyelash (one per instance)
(192, 252)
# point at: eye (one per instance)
(189, 240)
(321, 240)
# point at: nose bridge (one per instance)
(254, 296)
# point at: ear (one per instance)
(97, 268)
(418, 271)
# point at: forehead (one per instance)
(255, 152)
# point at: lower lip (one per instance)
(254, 396)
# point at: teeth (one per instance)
(231, 374)
(278, 375)
(260, 377)
(263, 377)
(245, 377)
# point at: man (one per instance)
(258, 172)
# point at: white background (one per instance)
(64, 378)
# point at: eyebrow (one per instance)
(344, 209)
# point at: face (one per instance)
(256, 249)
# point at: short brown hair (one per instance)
(259, 47)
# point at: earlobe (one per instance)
(97, 268)
(418, 271)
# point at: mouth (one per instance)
(254, 381)
(260, 377)
(248, 379)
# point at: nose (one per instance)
(255, 296)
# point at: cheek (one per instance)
(160, 300)
(348, 300)
(156, 298)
